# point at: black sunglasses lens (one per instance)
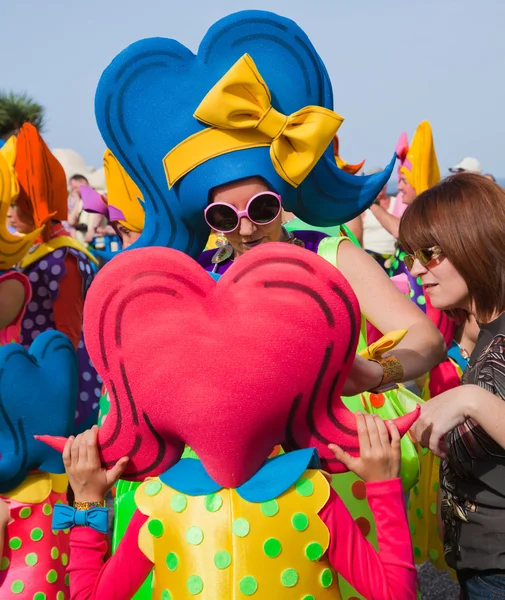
(221, 217)
(425, 256)
(264, 208)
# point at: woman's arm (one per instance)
(388, 310)
(12, 300)
(385, 575)
(390, 223)
(448, 410)
(120, 577)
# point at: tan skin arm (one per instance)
(356, 227)
(388, 310)
(390, 223)
(12, 299)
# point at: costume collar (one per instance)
(189, 476)
(38, 252)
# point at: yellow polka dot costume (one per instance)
(222, 546)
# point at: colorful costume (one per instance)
(59, 267)
(387, 405)
(275, 523)
(38, 389)
(249, 55)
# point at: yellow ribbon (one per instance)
(240, 115)
(385, 344)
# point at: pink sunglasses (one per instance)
(263, 208)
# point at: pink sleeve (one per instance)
(386, 575)
(120, 577)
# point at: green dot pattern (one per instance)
(248, 585)
(222, 559)
(39, 596)
(47, 509)
(433, 554)
(415, 489)
(15, 543)
(272, 548)
(304, 487)
(60, 596)
(433, 509)
(178, 503)
(194, 585)
(4, 563)
(300, 521)
(36, 534)
(417, 552)
(213, 502)
(31, 559)
(55, 553)
(64, 560)
(155, 527)
(424, 451)
(314, 551)
(289, 578)
(152, 488)
(241, 527)
(326, 578)
(419, 513)
(435, 486)
(166, 595)
(309, 597)
(412, 528)
(269, 508)
(17, 587)
(172, 561)
(52, 576)
(25, 512)
(194, 536)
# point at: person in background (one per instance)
(82, 225)
(467, 165)
(460, 259)
(377, 241)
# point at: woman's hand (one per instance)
(364, 375)
(89, 480)
(379, 448)
(439, 416)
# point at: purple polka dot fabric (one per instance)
(45, 276)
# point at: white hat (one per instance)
(469, 164)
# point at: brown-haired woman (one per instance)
(453, 233)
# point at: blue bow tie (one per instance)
(65, 517)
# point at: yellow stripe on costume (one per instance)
(60, 242)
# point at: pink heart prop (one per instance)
(232, 368)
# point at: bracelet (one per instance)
(89, 505)
(392, 373)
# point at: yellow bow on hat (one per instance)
(8, 151)
(240, 115)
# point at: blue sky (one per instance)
(392, 65)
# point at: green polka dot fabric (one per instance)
(221, 546)
(35, 558)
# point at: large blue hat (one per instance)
(145, 104)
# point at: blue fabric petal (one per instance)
(454, 352)
(189, 476)
(65, 517)
(278, 474)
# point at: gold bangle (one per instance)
(392, 373)
(89, 505)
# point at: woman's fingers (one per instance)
(382, 431)
(364, 439)
(74, 450)
(341, 455)
(373, 433)
(112, 475)
(92, 448)
(67, 459)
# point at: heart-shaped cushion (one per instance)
(144, 107)
(230, 368)
(38, 392)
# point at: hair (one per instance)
(78, 177)
(464, 215)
